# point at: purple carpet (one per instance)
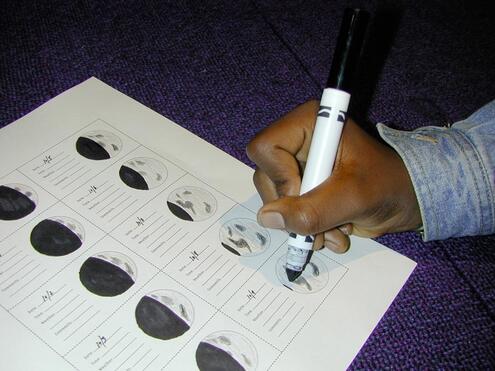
(226, 69)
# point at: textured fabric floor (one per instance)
(226, 69)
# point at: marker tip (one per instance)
(292, 275)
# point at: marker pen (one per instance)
(328, 128)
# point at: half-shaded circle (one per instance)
(211, 358)
(132, 178)
(90, 149)
(14, 204)
(179, 212)
(159, 321)
(52, 238)
(104, 278)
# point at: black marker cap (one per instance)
(348, 49)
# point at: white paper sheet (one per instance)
(128, 243)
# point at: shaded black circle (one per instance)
(231, 249)
(132, 178)
(90, 149)
(14, 204)
(159, 321)
(54, 239)
(179, 212)
(211, 358)
(103, 278)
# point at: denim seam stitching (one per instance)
(406, 151)
(419, 166)
(484, 179)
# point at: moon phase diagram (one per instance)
(313, 278)
(16, 201)
(57, 236)
(226, 351)
(143, 173)
(108, 273)
(244, 237)
(164, 314)
(98, 145)
(192, 203)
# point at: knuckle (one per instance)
(258, 148)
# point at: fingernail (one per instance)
(344, 229)
(271, 219)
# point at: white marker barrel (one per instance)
(326, 138)
(319, 165)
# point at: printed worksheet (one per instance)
(128, 243)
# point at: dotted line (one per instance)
(42, 340)
(309, 318)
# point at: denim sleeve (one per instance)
(453, 173)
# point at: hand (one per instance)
(368, 194)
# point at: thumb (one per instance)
(323, 208)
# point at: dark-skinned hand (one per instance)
(368, 194)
